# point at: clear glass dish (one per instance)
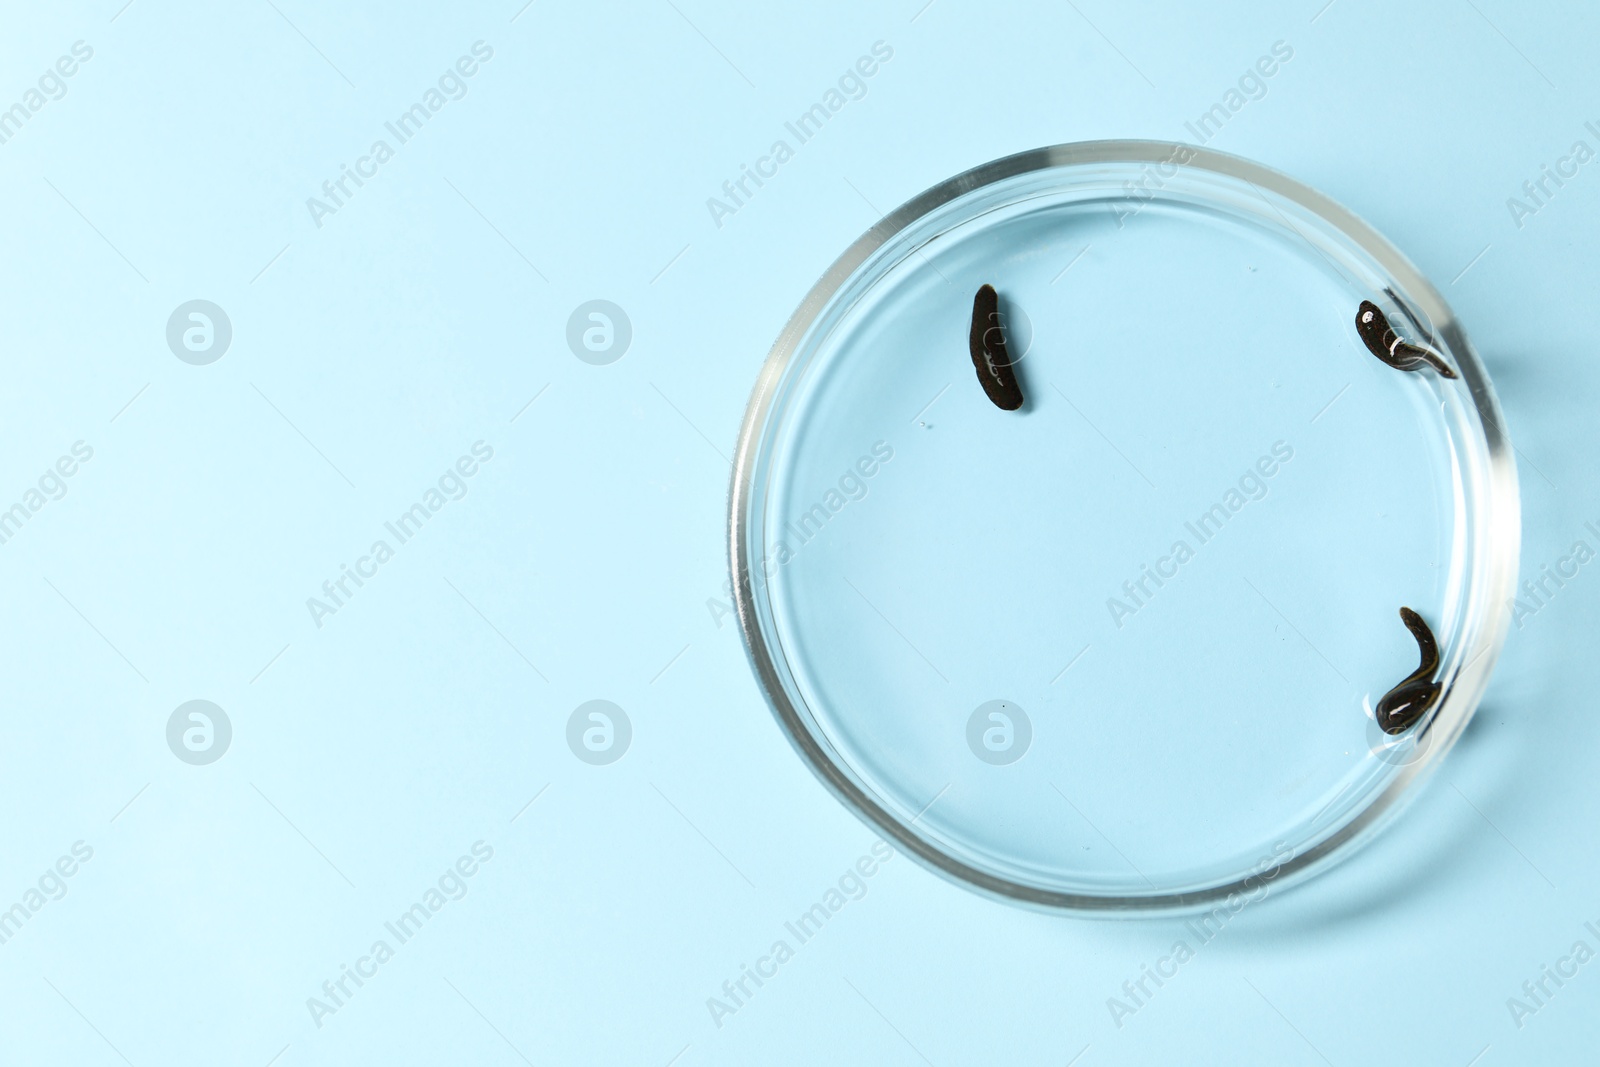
(1117, 652)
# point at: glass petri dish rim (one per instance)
(1496, 511)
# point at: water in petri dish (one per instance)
(1127, 638)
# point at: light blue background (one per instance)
(369, 353)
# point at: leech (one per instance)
(1403, 705)
(1383, 342)
(989, 356)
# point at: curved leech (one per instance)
(1403, 705)
(987, 342)
(1383, 342)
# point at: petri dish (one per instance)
(1118, 651)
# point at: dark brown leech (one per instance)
(1403, 705)
(1383, 342)
(989, 355)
